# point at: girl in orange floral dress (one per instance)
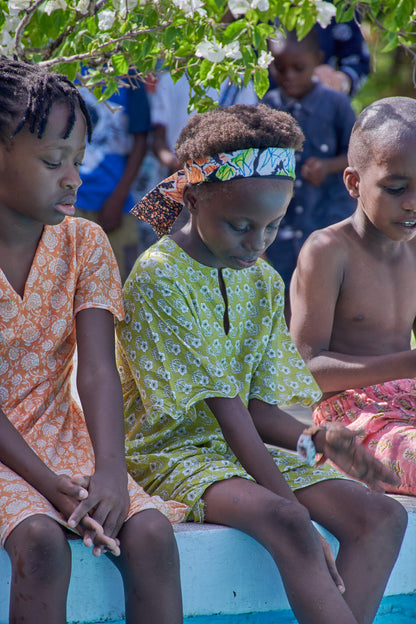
(59, 286)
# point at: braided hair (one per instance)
(27, 93)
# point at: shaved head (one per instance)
(383, 123)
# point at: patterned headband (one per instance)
(162, 205)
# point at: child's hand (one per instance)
(314, 171)
(69, 493)
(341, 447)
(330, 562)
(107, 503)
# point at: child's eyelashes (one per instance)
(272, 227)
(239, 228)
(394, 190)
(55, 165)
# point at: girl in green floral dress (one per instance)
(205, 359)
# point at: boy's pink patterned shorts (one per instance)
(386, 414)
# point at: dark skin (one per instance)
(143, 547)
(224, 230)
(353, 340)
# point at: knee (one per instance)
(382, 515)
(392, 515)
(38, 547)
(149, 531)
(288, 522)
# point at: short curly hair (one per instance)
(381, 123)
(27, 93)
(226, 129)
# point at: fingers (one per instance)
(79, 513)
(70, 488)
(350, 456)
(374, 471)
(82, 480)
(111, 518)
(332, 567)
(94, 536)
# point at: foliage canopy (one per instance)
(196, 35)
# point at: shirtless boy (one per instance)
(353, 297)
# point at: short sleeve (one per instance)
(169, 355)
(281, 377)
(98, 283)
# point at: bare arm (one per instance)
(314, 293)
(243, 438)
(161, 149)
(336, 443)
(247, 430)
(64, 494)
(100, 393)
(17, 455)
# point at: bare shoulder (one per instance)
(326, 248)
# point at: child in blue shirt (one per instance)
(326, 118)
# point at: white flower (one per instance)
(240, 7)
(190, 7)
(326, 12)
(82, 6)
(232, 50)
(53, 5)
(124, 5)
(265, 59)
(216, 52)
(105, 20)
(19, 5)
(210, 50)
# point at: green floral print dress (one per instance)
(173, 352)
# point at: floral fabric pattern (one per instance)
(385, 414)
(173, 353)
(73, 269)
(161, 206)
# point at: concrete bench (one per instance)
(223, 571)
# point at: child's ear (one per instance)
(189, 198)
(352, 182)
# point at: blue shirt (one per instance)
(326, 118)
(345, 49)
(112, 139)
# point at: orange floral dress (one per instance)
(73, 269)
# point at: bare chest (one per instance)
(377, 302)
(16, 265)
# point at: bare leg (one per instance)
(370, 528)
(41, 568)
(285, 529)
(149, 564)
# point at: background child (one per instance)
(353, 309)
(326, 118)
(205, 357)
(59, 283)
(111, 163)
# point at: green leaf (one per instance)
(234, 29)
(69, 69)
(120, 64)
(110, 89)
(393, 42)
(261, 82)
